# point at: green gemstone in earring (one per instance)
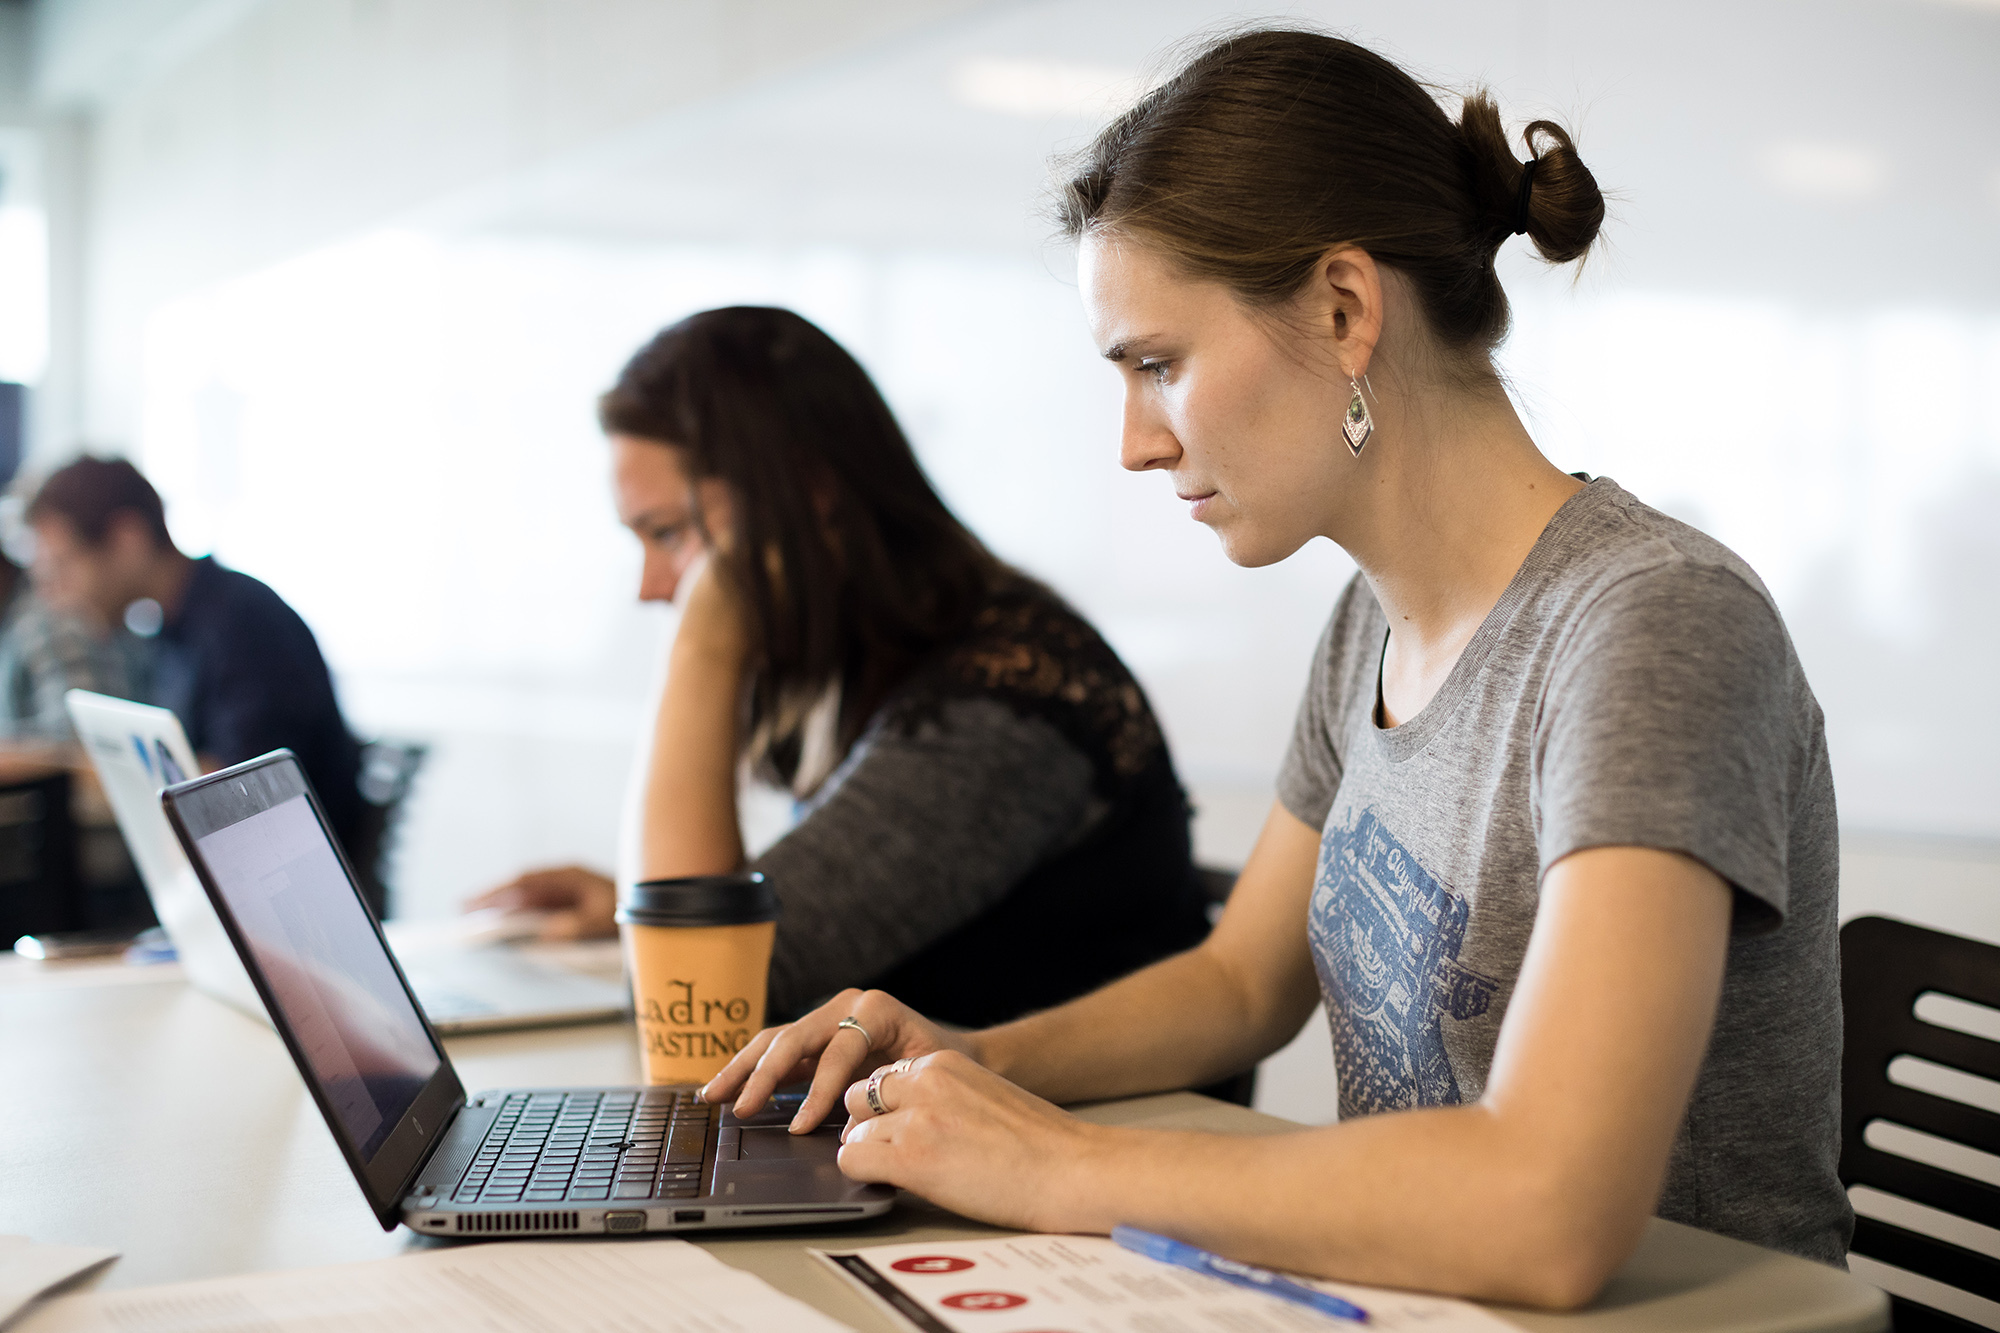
(1359, 424)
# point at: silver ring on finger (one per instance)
(848, 1022)
(873, 1091)
(902, 1066)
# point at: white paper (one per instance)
(27, 1270)
(636, 1286)
(1087, 1284)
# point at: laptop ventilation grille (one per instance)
(517, 1221)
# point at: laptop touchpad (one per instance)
(778, 1145)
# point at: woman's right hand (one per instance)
(833, 1056)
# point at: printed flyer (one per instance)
(1086, 1284)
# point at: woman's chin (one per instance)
(1251, 549)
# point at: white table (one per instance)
(138, 1114)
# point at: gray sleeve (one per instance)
(1666, 723)
(915, 835)
(1311, 772)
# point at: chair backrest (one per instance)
(1920, 1118)
(39, 889)
(388, 772)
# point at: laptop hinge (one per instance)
(438, 1140)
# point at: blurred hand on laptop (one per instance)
(572, 902)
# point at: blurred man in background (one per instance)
(45, 652)
(232, 660)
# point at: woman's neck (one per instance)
(1449, 508)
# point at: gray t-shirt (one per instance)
(1634, 686)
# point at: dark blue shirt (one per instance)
(245, 676)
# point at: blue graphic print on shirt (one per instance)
(1385, 938)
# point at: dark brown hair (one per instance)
(864, 570)
(90, 492)
(1270, 147)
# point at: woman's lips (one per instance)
(1198, 504)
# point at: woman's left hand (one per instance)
(965, 1138)
(714, 620)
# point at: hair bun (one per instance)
(1225, 166)
(1564, 208)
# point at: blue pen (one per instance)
(1170, 1251)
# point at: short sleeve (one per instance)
(1669, 722)
(1310, 775)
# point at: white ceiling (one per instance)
(1819, 149)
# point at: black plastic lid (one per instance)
(699, 900)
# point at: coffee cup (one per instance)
(699, 954)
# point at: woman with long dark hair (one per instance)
(1555, 840)
(989, 818)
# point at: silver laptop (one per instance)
(137, 749)
(517, 1162)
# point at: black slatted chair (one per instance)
(1887, 967)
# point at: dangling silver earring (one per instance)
(1359, 424)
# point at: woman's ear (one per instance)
(1348, 285)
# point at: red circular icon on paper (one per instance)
(985, 1300)
(931, 1263)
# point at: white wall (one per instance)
(286, 124)
(1724, 356)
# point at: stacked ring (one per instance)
(873, 1090)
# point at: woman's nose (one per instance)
(1146, 443)
(660, 576)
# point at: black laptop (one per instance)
(519, 1162)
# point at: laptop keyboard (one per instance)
(548, 1147)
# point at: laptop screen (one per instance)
(136, 750)
(326, 969)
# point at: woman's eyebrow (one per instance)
(650, 518)
(1129, 347)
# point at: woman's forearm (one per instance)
(689, 825)
(1191, 1019)
(1451, 1199)
(1180, 1023)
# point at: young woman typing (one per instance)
(1555, 838)
(972, 761)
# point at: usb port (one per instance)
(689, 1215)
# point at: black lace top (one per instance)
(1032, 652)
(1007, 833)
